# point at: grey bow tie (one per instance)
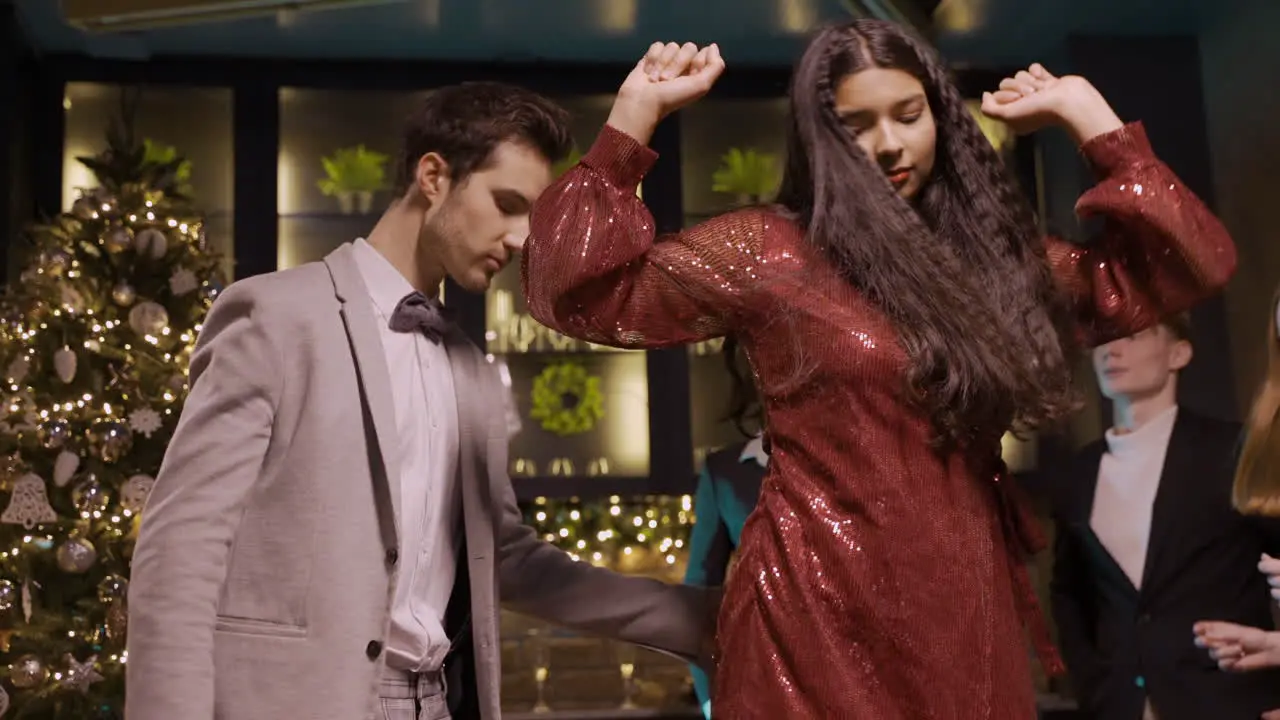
(418, 313)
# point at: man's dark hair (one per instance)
(464, 123)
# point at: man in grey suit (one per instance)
(333, 528)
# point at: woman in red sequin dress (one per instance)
(900, 313)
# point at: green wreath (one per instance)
(567, 399)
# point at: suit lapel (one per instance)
(472, 444)
(371, 370)
(1174, 493)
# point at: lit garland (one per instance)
(639, 533)
(94, 346)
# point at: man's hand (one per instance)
(1239, 648)
(667, 78)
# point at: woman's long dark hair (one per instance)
(963, 274)
(745, 410)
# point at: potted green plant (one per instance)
(748, 174)
(353, 175)
(567, 164)
(154, 153)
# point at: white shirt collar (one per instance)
(754, 450)
(1155, 432)
(386, 286)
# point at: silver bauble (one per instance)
(53, 433)
(123, 294)
(151, 242)
(117, 240)
(8, 595)
(112, 588)
(76, 555)
(148, 318)
(177, 383)
(89, 496)
(111, 439)
(27, 672)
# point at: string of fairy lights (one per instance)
(634, 533)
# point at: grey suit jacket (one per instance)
(267, 557)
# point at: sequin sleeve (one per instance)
(594, 268)
(1162, 250)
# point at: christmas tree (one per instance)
(95, 339)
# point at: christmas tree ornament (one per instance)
(123, 294)
(27, 605)
(182, 282)
(80, 675)
(151, 243)
(54, 432)
(18, 369)
(148, 318)
(27, 672)
(29, 503)
(112, 588)
(89, 496)
(64, 364)
(110, 439)
(8, 595)
(145, 421)
(134, 493)
(117, 240)
(64, 467)
(76, 555)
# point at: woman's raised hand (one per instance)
(668, 77)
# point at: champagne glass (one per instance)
(626, 654)
(538, 653)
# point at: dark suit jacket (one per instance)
(1122, 644)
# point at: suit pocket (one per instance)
(262, 628)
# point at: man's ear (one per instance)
(432, 177)
(1181, 355)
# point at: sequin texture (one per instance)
(875, 579)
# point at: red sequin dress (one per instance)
(875, 580)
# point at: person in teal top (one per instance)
(727, 490)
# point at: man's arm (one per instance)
(1070, 592)
(209, 469)
(538, 579)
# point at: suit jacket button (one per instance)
(373, 649)
(392, 556)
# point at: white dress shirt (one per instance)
(1128, 478)
(426, 448)
(754, 450)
